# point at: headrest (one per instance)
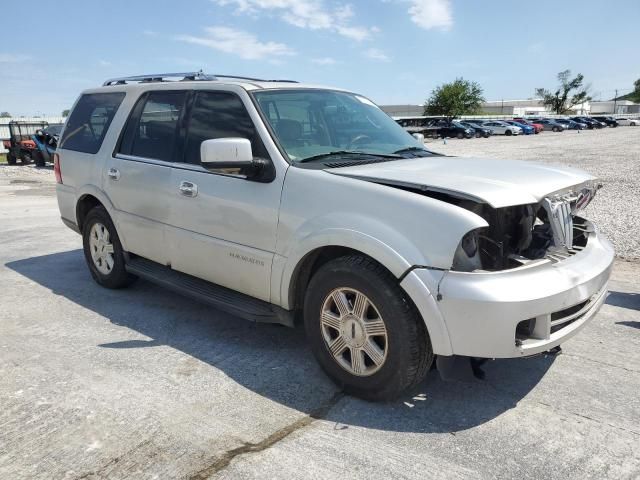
(289, 130)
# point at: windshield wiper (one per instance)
(339, 153)
(412, 149)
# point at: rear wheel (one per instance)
(556, 129)
(460, 135)
(103, 251)
(11, 158)
(26, 158)
(508, 133)
(363, 329)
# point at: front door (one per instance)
(223, 226)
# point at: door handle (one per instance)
(114, 173)
(188, 189)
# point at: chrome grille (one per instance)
(561, 221)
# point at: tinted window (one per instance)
(152, 129)
(89, 121)
(219, 115)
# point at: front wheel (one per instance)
(556, 129)
(364, 330)
(508, 133)
(103, 251)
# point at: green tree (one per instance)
(635, 95)
(570, 92)
(451, 100)
(5, 115)
(65, 113)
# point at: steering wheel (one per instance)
(357, 139)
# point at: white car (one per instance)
(283, 202)
(633, 122)
(502, 128)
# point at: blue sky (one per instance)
(394, 51)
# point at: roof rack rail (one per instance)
(240, 77)
(159, 77)
(183, 76)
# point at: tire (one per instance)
(404, 353)
(459, 135)
(478, 135)
(555, 129)
(26, 158)
(11, 158)
(116, 276)
(38, 159)
(508, 133)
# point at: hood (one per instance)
(499, 183)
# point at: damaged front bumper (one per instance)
(522, 311)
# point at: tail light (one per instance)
(56, 167)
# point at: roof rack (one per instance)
(183, 76)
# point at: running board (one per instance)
(219, 297)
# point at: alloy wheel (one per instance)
(354, 331)
(101, 248)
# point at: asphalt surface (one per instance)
(143, 383)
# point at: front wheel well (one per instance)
(85, 204)
(305, 269)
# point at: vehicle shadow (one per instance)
(274, 361)
(624, 300)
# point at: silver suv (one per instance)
(278, 202)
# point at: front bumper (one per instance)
(481, 311)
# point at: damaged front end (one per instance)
(518, 235)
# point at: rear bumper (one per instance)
(481, 311)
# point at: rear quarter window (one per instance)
(89, 121)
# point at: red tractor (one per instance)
(20, 145)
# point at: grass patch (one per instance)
(3, 158)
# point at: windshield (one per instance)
(312, 123)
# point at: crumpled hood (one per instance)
(499, 183)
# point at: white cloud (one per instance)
(13, 58)
(376, 54)
(430, 14)
(104, 63)
(238, 42)
(324, 61)
(310, 14)
(150, 33)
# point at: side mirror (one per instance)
(226, 153)
(419, 137)
(235, 153)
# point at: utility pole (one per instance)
(615, 102)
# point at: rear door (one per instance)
(223, 228)
(137, 178)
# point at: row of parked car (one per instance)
(443, 128)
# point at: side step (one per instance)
(221, 298)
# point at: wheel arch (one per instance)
(418, 291)
(89, 197)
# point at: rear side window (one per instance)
(89, 121)
(220, 115)
(153, 127)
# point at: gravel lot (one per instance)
(143, 383)
(612, 154)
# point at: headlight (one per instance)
(584, 197)
(467, 256)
